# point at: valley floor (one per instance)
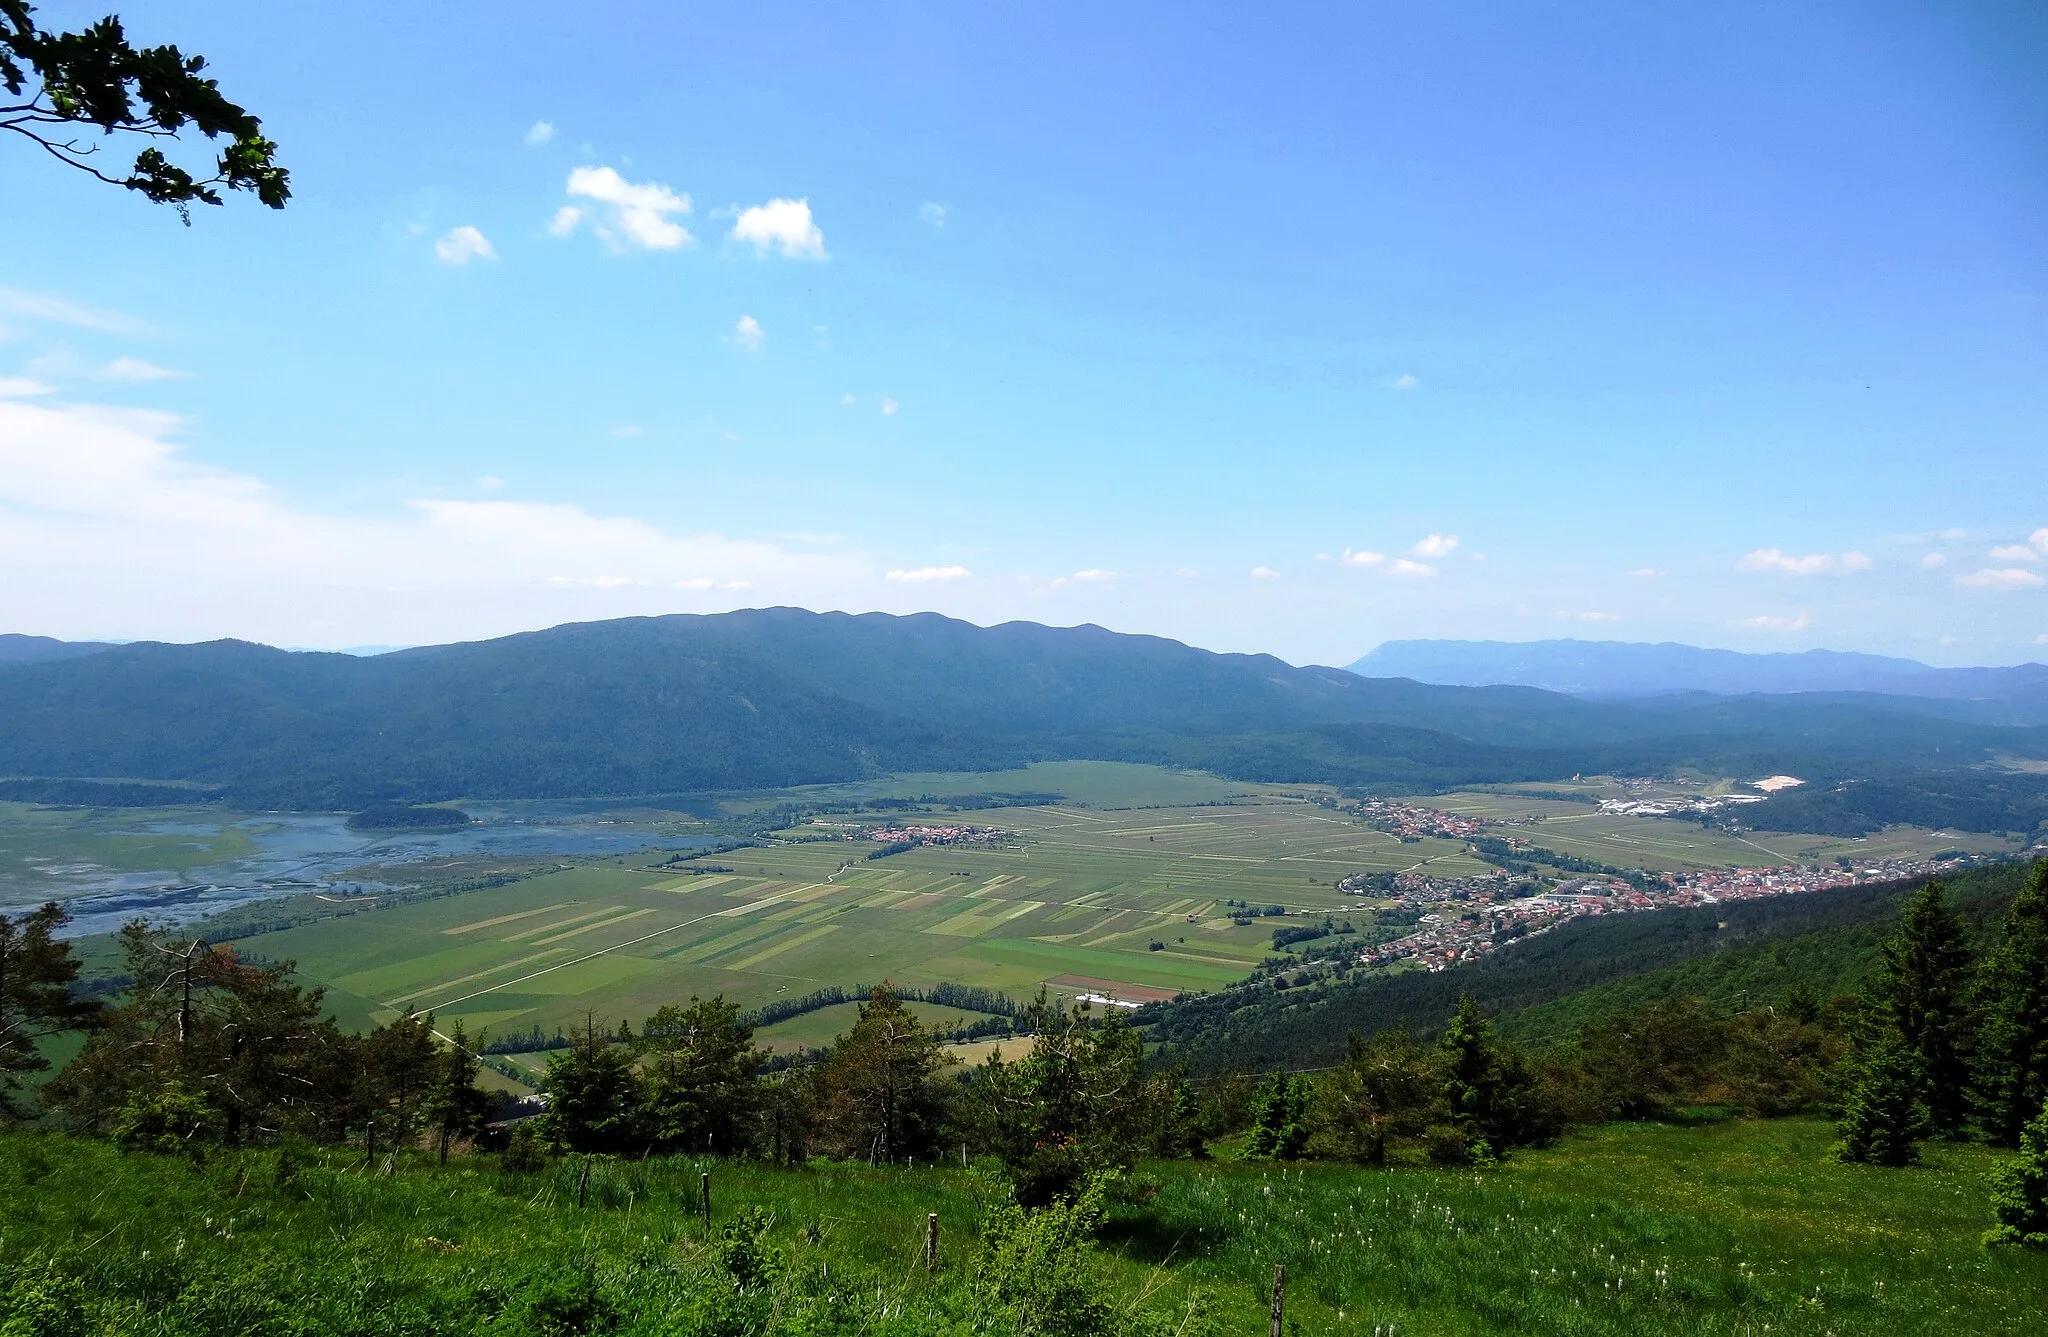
(1728, 1228)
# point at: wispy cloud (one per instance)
(135, 369)
(748, 334)
(13, 387)
(541, 133)
(460, 245)
(1768, 622)
(631, 214)
(932, 214)
(784, 226)
(1646, 573)
(1933, 561)
(1404, 567)
(1591, 616)
(1361, 557)
(2001, 578)
(1264, 573)
(918, 575)
(889, 407)
(1096, 573)
(61, 311)
(1811, 564)
(1405, 381)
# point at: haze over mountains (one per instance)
(772, 697)
(1628, 668)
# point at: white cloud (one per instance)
(748, 334)
(110, 525)
(135, 369)
(541, 133)
(1096, 573)
(1435, 545)
(565, 220)
(781, 225)
(1403, 567)
(1646, 573)
(1361, 557)
(2015, 552)
(1933, 561)
(460, 245)
(633, 214)
(1812, 564)
(2001, 578)
(42, 306)
(1406, 381)
(1765, 622)
(600, 582)
(920, 574)
(2042, 639)
(14, 386)
(889, 407)
(629, 429)
(932, 214)
(848, 398)
(1593, 617)
(1264, 573)
(1187, 573)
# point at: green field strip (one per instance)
(736, 939)
(504, 919)
(760, 890)
(459, 981)
(1231, 858)
(695, 883)
(974, 923)
(592, 928)
(1131, 967)
(562, 923)
(788, 944)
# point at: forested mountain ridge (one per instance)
(771, 697)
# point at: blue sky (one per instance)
(1289, 327)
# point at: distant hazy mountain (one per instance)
(1627, 668)
(19, 649)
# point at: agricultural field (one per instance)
(1073, 899)
(1665, 844)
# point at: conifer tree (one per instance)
(1279, 1120)
(1487, 1089)
(1884, 1117)
(2012, 1050)
(455, 1106)
(36, 971)
(594, 1098)
(1924, 990)
(2019, 1190)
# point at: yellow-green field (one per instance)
(1073, 902)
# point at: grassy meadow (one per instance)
(1734, 1229)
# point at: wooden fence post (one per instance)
(704, 1192)
(1279, 1296)
(931, 1242)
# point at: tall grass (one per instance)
(1735, 1228)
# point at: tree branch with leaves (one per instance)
(62, 86)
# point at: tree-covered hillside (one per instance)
(773, 697)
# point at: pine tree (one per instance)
(36, 971)
(1486, 1087)
(1884, 1117)
(2019, 1191)
(1924, 990)
(2012, 1051)
(1279, 1120)
(594, 1097)
(455, 1106)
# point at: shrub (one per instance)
(2019, 1191)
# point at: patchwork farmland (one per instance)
(1075, 901)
